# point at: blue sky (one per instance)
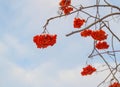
(23, 65)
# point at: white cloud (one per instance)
(3, 48)
(69, 77)
(14, 43)
(42, 76)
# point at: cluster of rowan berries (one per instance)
(98, 35)
(65, 6)
(115, 84)
(88, 70)
(44, 40)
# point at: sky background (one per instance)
(24, 65)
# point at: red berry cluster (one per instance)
(78, 22)
(98, 35)
(102, 45)
(115, 84)
(65, 6)
(86, 33)
(88, 70)
(44, 40)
